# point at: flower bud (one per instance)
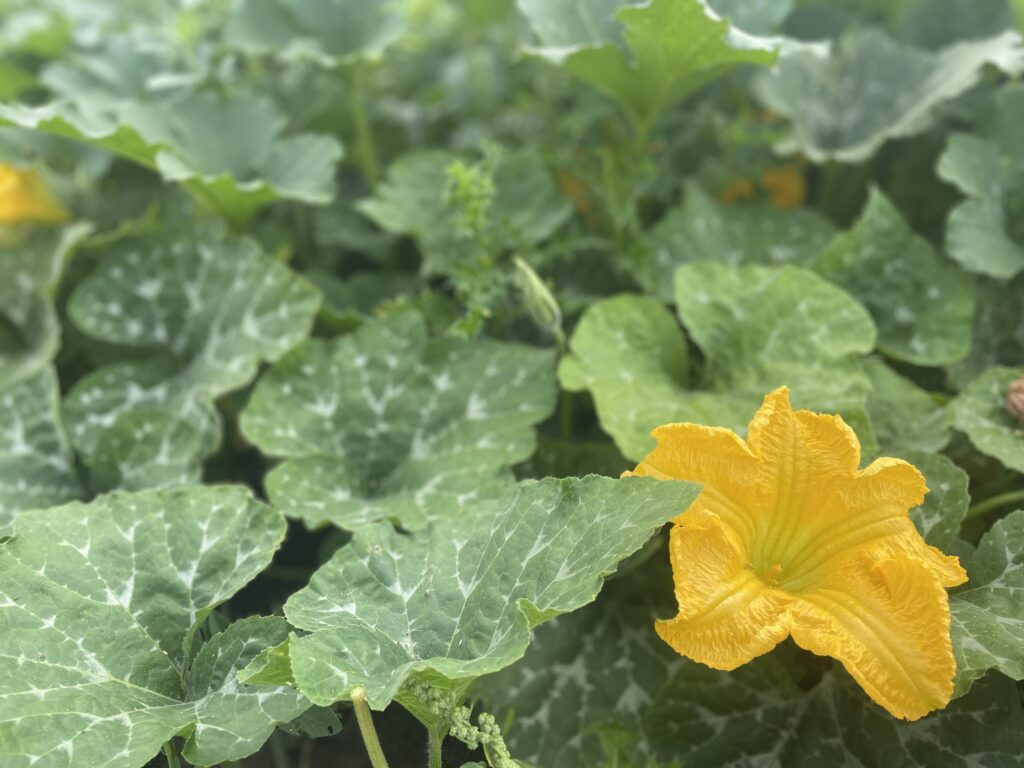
(1015, 399)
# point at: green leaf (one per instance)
(933, 24)
(871, 89)
(36, 467)
(204, 310)
(459, 599)
(759, 328)
(388, 423)
(100, 603)
(328, 32)
(998, 333)
(526, 208)
(903, 416)
(938, 519)
(604, 666)
(922, 304)
(646, 56)
(29, 328)
(754, 16)
(702, 230)
(232, 151)
(984, 232)
(988, 625)
(980, 412)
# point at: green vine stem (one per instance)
(365, 146)
(171, 755)
(436, 741)
(369, 733)
(1002, 500)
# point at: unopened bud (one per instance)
(541, 303)
(1015, 398)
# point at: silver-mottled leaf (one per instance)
(980, 412)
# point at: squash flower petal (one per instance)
(25, 199)
(789, 538)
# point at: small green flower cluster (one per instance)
(444, 705)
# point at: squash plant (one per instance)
(329, 328)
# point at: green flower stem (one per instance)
(365, 146)
(434, 744)
(369, 733)
(1002, 500)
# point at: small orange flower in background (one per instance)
(790, 538)
(785, 185)
(25, 199)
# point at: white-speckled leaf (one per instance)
(645, 56)
(987, 611)
(99, 603)
(207, 309)
(388, 423)
(36, 468)
(843, 106)
(984, 233)
(329, 32)
(29, 328)
(980, 412)
(702, 230)
(920, 301)
(759, 328)
(938, 519)
(459, 599)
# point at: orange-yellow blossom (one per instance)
(789, 538)
(25, 199)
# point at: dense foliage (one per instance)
(328, 326)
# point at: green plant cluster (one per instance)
(315, 395)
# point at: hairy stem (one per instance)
(369, 733)
(434, 748)
(365, 146)
(171, 755)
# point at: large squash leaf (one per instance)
(869, 89)
(386, 423)
(204, 309)
(922, 304)
(645, 56)
(36, 467)
(232, 151)
(988, 624)
(99, 605)
(984, 233)
(460, 598)
(330, 32)
(980, 412)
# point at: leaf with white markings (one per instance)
(759, 328)
(459, 599)
(921, 303)
(980, 412)
(206, 309)
(99, 604)
(388, 423)
(870, 89)
(988, 629)
(938, 519)
(702, 230)
(903, 416)
(36, 467)
(29, 329)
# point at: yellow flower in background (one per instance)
(785, 185)
(790, 538)
(25, 199)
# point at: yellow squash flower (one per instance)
(789, 538)
(24, 198)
